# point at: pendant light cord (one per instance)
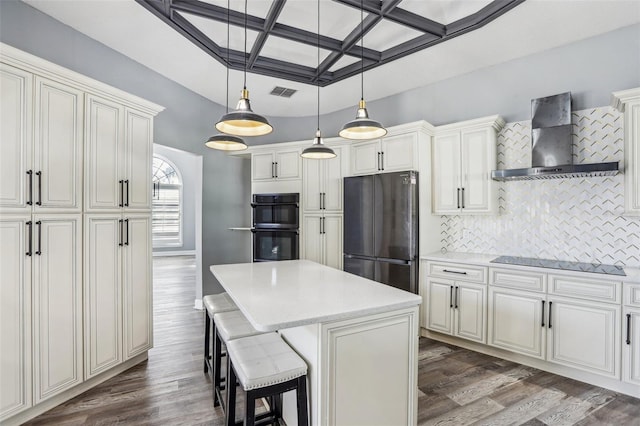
(318, 69)
(361, 50)
(245, 44)
(226, 99)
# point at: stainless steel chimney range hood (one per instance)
(551, 155)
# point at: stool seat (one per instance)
(233, 325)
(264, 360)
(217, 303)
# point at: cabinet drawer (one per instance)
(631, 295)
(585, 288)
(456, 271)
(530, 281)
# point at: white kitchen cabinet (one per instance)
(628, 101)
(322, 239)
(631, 346)
(392, 153)
(15, 314)
(463, 156)
(118, 155)
(41, 161)
(117, 289)
(598, 350)
(57, 304)
(276, 165)
(322, 182)
(456, 308)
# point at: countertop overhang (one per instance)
(285, 294)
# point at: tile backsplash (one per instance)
(576, 219)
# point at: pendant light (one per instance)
(318, 150)
(223, 141)
(243, 121)
(362, 127)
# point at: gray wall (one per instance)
(186, 164)
(185, 124)
(591, 69)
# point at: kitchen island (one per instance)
(358, 337)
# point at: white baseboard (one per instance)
(174, 253)
(198, 305)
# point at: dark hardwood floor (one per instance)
(456, 386)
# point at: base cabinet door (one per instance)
(631, 346)
(57, 304)
(15, 314)
(332, 228)
(517, 321)
(439, 305)
(137, 290)
(322, 239)
(102, 292)
(596, 351)
(469, 311)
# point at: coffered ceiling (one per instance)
(407, 43)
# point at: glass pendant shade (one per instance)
(243, 121)
(226, 143)
(318, 150)
(362, 127)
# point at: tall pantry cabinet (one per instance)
(68, 311)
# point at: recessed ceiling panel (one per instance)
(444, 11)
(388, 34)
(337, 20)
(343, 62)
(217, 32)
(254, 8)
(285, 50)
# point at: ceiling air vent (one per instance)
(283, 92)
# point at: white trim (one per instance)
(198, 305)
(39, 66)
(174, 253)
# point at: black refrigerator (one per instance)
(381, 228)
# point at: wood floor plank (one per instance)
(456, 386)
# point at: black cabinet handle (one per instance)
(39, 251)
(462, 198)
(39, 202)
(30, 238)
(30, 200)
(273, 169)
(121, 204)
(126, 222)
(276, 170)
(454, 272)
(324, 201)
(457, 294)
(451, 296)
(458, 197)
(628, 341)
(127, 202)
(379, 160)
(550, 314)
(542, 325)
(323, 225)
(382, 161)
(120, 243)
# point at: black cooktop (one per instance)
(565, 265)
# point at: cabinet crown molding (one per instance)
(495, 121)
(622, 97)
(28, 62)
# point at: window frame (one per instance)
(169, 242)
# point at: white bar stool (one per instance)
(214, 304)
(229, 326)
(266, 366)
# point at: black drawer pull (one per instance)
(550, 314)
(30, 225)
(454, 272)
(542, 314)
(628, 341)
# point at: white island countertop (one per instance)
(285, 294)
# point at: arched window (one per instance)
(167, 204)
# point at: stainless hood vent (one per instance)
(551, 155)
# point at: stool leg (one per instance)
(250, 409)
(230, 412)
(207, 328)
(301, 392)
(217, 356)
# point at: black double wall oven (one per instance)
(275, 227)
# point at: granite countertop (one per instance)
(480, 259)
(285, 294)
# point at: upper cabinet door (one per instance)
(632, 165)
(287, 164)
(313, 174)
(262, 166)
(399, 153)
(334, 169)
(138, 155)
(58, 147)
(104, 184)
(446, 172)
(16, 107)
(478, 157)
(366, 158)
